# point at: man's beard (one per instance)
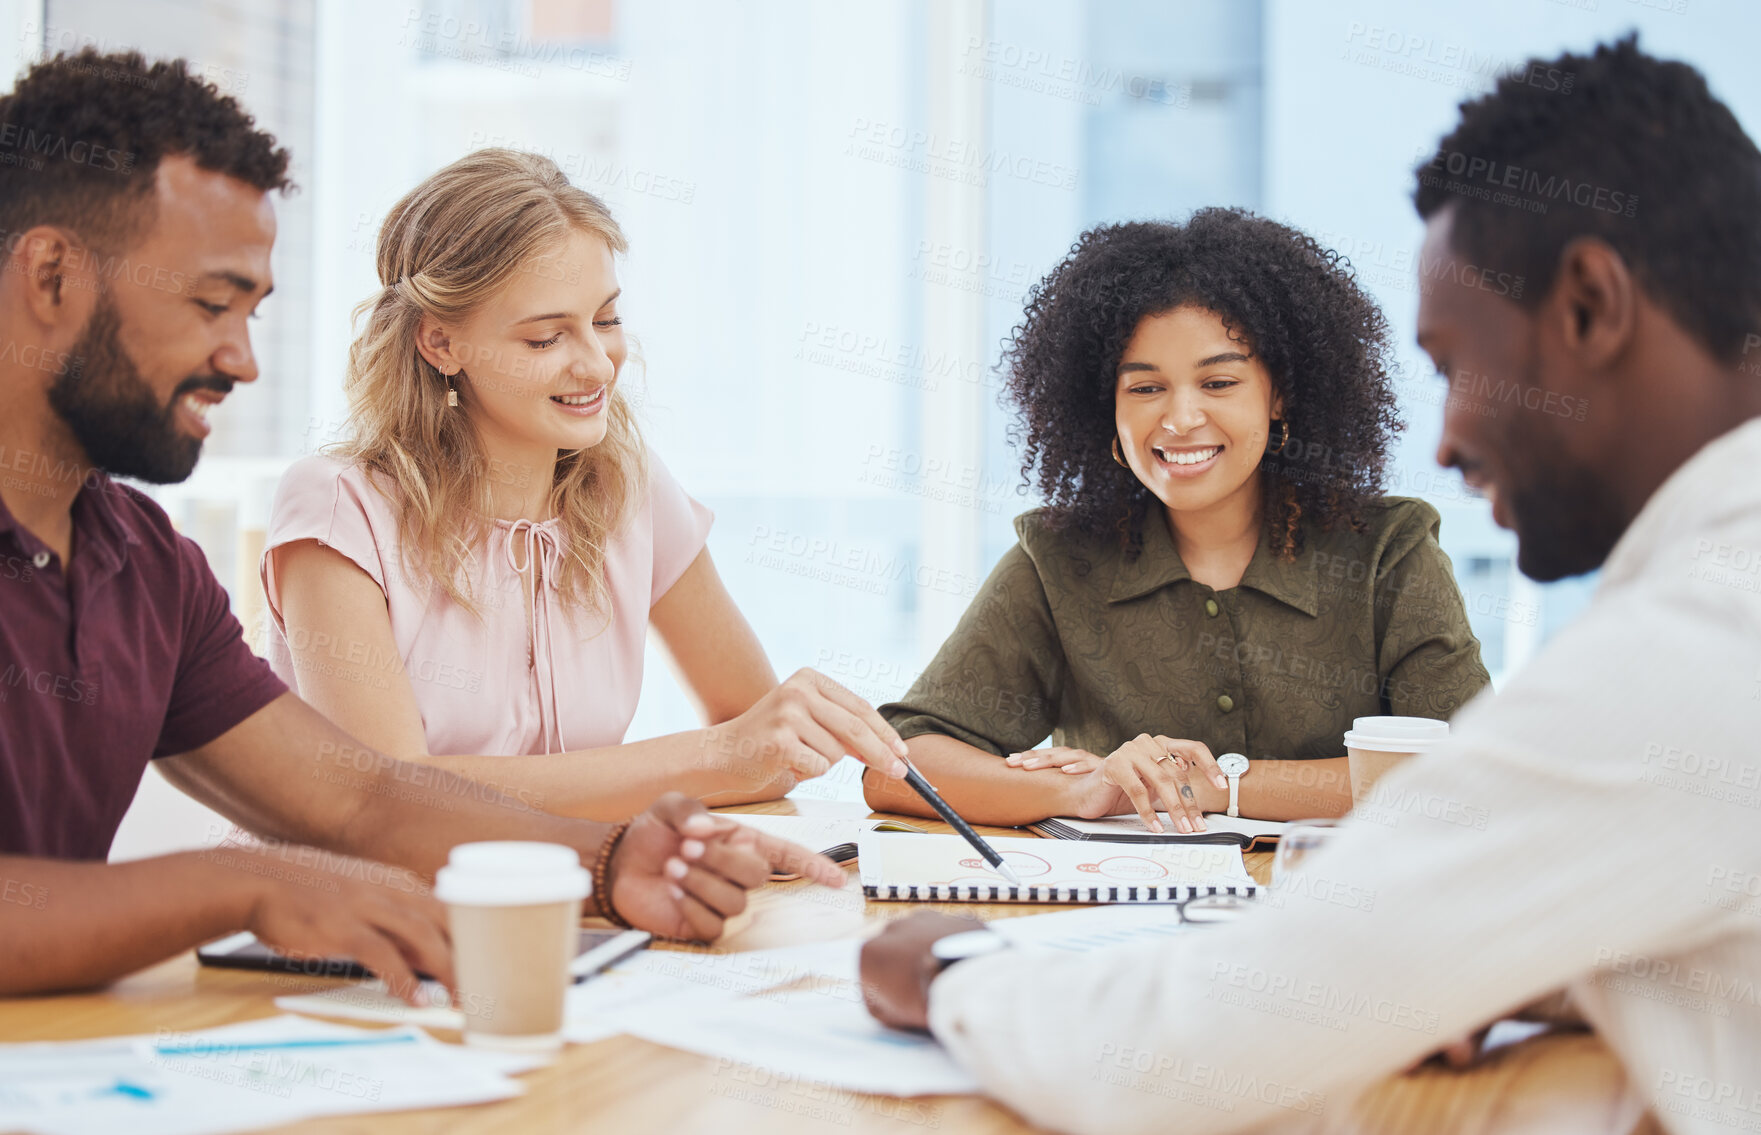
(113, 412)
(1565, 524)
(1567, 519)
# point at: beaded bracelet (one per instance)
(602, 867)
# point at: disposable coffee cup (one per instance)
(1373, 745)
(514, 910)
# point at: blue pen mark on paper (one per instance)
(264, 1046)
(127, 1090)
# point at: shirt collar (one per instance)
(100, 527)
(1707, 490)
(1292, 582)
(1157, 566)
(1295, 583)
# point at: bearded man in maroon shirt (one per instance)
(136, 206)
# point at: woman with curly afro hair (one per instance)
(1206, 410)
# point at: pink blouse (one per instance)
(502, 681)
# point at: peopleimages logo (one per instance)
(958, 159)
(59, 146)
(1455, 64)
(1196, 1082)
(1318, 1003)
(62, 686)
(1544, 187)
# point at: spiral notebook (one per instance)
(945, 868)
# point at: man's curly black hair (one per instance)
(1296, 306)
(82, 136)
(1639, 154)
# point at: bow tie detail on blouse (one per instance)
(532, 545)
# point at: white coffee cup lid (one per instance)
(1396, 734)
(512, 873)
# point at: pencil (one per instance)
(923, 789)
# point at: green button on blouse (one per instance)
(1069, 638)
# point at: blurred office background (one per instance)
(835, 212)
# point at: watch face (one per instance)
(967, 944)
(1232, 764)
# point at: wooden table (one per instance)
(627, 1085)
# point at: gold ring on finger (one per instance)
(1166, 757)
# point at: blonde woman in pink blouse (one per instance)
(469, 580)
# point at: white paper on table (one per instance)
(599, 1008)
(830, 1041)
(369, 1001)
(589, 1009)
(1091, 928)
(595, 1008)
(1505, 1033)
(673, 981)
(127, 1084)
(815, 833)
(749, 971)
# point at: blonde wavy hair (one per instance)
(448, 247)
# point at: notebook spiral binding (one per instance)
(983, 893)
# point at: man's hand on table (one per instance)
(339, 907)
(897, 967)
(682, 872)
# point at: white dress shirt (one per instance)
(1594, 827)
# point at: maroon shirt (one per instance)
(133, 654)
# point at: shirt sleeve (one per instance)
(994, 684)
(219, 681)
(1426, 651)
(321, 499)
(1505, 865)
(681, 527)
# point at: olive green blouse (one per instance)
(1070, 638)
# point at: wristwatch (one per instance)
(966, 944)
(1233, 766)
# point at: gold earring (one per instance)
(452, 394)
(1284, 440)
(1117, 456)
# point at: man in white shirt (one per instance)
(1596, 826)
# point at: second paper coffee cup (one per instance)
(1373, 745)
(514, 910)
